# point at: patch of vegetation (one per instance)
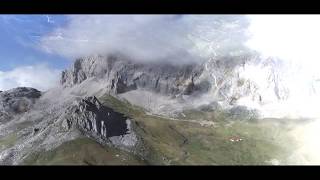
(122, 106)
(8, 141)
(83, 151)
(177, 141)
(180, 142)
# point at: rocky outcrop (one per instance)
(17, 101)
(122, 75)
(242, 113)
(50, 123)
(99, 122)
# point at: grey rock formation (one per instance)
(100, 122)
(209, 107)
(91, 116)
(122, 75)
(242, 112)
(217, 80)
(218, 76)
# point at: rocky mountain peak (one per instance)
(22, 92)
(91, 116)
(121, 75)
(16, 101)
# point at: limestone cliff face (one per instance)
(122, 75)
(232, 81)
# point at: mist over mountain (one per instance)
(155, 86)
(172, 38)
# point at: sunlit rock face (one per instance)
(281, 88)
(267, 84)
(275, 87)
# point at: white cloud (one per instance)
(149, 37)
(295, 40)
(40, 77)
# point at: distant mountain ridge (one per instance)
(220, 79)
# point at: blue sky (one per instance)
(20, 34)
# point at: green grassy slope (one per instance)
(82, 151)
(181, 142)
(178, 141)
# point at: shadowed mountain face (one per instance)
(92, 117)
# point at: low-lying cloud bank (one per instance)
(148, 38)
(37, 76)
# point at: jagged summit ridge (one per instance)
(122, 75)
(248, 81)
